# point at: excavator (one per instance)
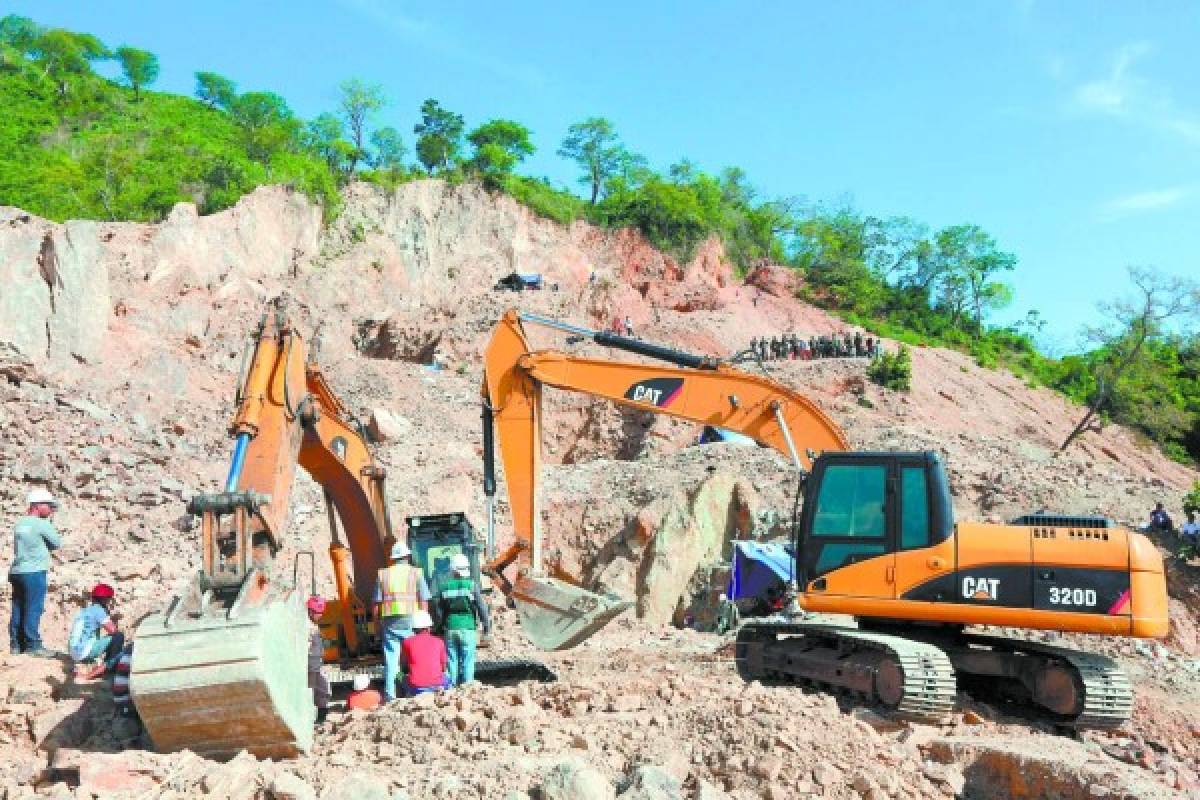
(873, 539)
(224, 667)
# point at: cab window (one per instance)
(914, 508)
(851, 501)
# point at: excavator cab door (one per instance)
(850, 542)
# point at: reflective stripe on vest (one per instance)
(399, 587)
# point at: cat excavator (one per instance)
(874, 539)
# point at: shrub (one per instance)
(1191, 501)
(892, 370)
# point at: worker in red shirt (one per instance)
(424, 658)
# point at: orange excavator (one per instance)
(874, 539)
(224, 667)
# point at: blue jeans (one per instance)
(393, 631)
(107, 647)
(29, 597)
(460, 647)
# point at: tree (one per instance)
(325, 135)
(140, 68)
(439, 136)
(266, 122)
(64, 55)
(499, 146)
(359, 101)
(594, 146)
(17, 35)
(215, 91)
(389, 150)
(967, 262)
(1133, 323)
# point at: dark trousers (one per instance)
(29, 598)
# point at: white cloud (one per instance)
(1143, 202)
(385, 15)
(1123, 94)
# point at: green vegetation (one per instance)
(74, 144)
(892, 370)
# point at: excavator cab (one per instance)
(435, 539)
(861, 506)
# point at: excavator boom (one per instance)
(555, 614)
(224, 668)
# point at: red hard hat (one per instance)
(316, 604)
(102, 591)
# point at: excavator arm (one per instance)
(696, 388)
(225, 667)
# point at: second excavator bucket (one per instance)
(216, 685)
(557, 615)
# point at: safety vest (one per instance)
(398, 586)
(457, 599)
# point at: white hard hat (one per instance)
(400, 550)
(41, 496)
(421, 619)
(361, 682)
(460, 563)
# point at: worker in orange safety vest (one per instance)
(400, 592)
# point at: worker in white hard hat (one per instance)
(363, 697)
(425, 659)
(34, 536)
(400, 592)
(460, 610)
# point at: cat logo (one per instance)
(658, 392)
(980, 588)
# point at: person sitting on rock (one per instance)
(94, 634)
(1160, 520)
(424, 658)
(1190, 532)
(363, 697)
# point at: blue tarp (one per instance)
(711, 434)
(758, 566)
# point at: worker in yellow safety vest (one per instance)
(400, 592)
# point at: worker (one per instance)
(317, 681)
(400, 594)
(461, 610)
(363, 697)
(870, 346)
(628, 326)
(812, 347)
(425, 658)
(34, 536)
(1160, 520)
(859, 348)
(94, 636)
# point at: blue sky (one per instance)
(1069, 130)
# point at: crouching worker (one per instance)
(461, 609)
(363, 697)
(94, 635)
(316, 652)
(425, 659)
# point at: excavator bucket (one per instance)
(216, 685)
(557, 615)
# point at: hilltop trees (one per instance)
(215, 91)
(139, 66)
(66, 56)
(499, 145)
(594, 146)
(439, 137)
(358, 103)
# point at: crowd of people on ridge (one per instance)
(791, 346)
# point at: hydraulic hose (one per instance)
(239, 458)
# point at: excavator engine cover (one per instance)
(215, 683)
(557, 615)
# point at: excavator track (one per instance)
(914, 679)
(1104, 694)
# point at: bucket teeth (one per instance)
(557, 615)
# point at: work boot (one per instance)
(41, 652)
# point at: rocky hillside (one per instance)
(121, 344)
